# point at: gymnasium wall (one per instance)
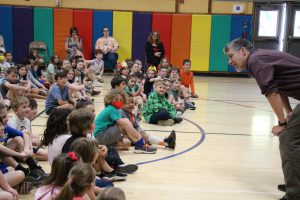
(200, 37)
(186, 6)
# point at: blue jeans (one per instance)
(110, 60)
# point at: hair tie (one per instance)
(72, 156)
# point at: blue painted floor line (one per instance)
(201, 140)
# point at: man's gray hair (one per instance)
(237, 44)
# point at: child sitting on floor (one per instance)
(110, 126)
(158, 109)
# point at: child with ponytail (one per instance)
(80, 182)
(61, 166)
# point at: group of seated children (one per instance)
(82, 147)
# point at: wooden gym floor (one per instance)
(225, 149)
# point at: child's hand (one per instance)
(102, 149)
(28, 152)
(13, 192)
(23, 155)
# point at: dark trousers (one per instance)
(113, 158)
(110, 60)
(290, 155)
(160, 115)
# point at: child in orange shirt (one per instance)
(187, 77)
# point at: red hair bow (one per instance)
(73, 156)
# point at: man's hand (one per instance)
(276, 130)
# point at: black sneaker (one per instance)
(34, 178)
(177, 120)
(94, 92)
(171, 140)
(114, 176)
(281, 187)
(127, 169)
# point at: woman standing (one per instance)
(73, 44)
(155, 50)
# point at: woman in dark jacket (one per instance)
(155, 50)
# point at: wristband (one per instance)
(281, 123)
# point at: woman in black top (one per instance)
(155, 50)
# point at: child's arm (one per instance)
(101, 69)
(155, 79)
(171, 99)
(75, 87)
(9, 152)
(13, 86)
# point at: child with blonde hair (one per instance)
(158, 110)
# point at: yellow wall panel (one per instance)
(200, 42)
(122, 31)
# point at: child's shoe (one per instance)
(168, 122)
(146, 149)
(171, 140)
(127, 169)
(177, 120)
(114, 176)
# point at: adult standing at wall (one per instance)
(73, 44)
(109, 46)
(278, 76)
(155, 50)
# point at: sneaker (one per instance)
(114, 176)
(38, 170)
(25, 187)
(34, 178)
(194, 96)
(281, 187)
(191, 107)
(127, 169)
(168, 122)
(94, 93)
(177, 120)
(103, 183)
(171, 140)
(146, 149)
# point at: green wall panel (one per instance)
(220, 35)
(43, 27)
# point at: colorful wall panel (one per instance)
(181, 37)
(23, 31)
(220, 35)
(101, 19)
(6, 28)
(142, 26)
(122, 26)
(240, 24)
(43, 26)
(200, 42)
(63, 21)
(83, 21)
(162, 23)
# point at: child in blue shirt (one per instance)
(110, 126)
(58, 96)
